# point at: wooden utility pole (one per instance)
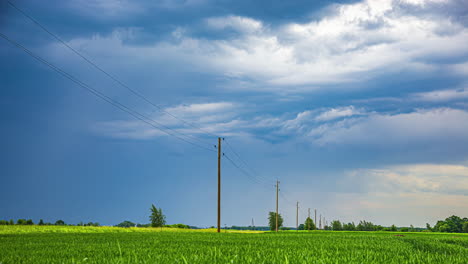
(308, 221)
(315, 218)
(320, 222)
(219, 184)
(297, 216)
(277, 189)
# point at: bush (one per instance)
(178, 226)
(60, 223)
(126, 224)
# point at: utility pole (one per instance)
(219, 184)
(320, 226)
(315, 218)
(277, 189)
(308, 221)
(297, 216)
(253, 224)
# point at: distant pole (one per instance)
(253, 224)
(315, 218)
(297, 216)
(308, 222)
(320, 226)
(277, 189)
(219, 184)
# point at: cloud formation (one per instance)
(350, 43)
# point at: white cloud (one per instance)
(433, 127)
(218, 117)
(353, 43)
(436, 178)
(241, 24)
(404, 194)
(335, 113)
(442, 95)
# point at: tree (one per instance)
(465, 227)
(12, 222)
(452, 224)
(59, 222)
(336, 225)
(428, 227)
(309, 224)
(349, 227)
(157, 218)
(3, 222)
(365, 226)
(301, 227)
(126, 224)
(29, 222)
(393, 228)
(21, 222)
(41, 222)
(272, 220)
(182, 226)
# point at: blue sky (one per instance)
(359, 108)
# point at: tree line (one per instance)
(41, 222)
(452, 224)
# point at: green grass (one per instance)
(33, 244)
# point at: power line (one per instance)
(245, 163)
(104, 97)
(255, 180)
(133, 91)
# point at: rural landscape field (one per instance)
(234, 131)
(135, 245)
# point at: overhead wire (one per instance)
(104, 97)
(255, 180)
(136, 114)
(133, 91)
(245, 163)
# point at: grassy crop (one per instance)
(38, 244)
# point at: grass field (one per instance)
(42, 244)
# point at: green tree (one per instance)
(349, 227)
(21, 222)
(465, 227)
(452, 224)
(41, 222)
(157, 218)
(59, 222)
(126, 224)
(309, 224)
(336, 225)
(12, 222)
(29, 222)
(428, 227)
(3, 222)
(393, 228)
(301, 227)
(272, 220)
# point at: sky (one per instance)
(358, 108)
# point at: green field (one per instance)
(42, 244)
